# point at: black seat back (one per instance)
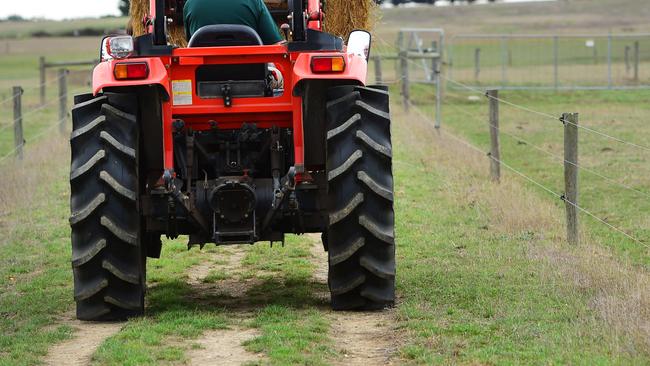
(248, 80)
(225, 35)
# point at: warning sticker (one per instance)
(182, 92)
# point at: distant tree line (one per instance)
(124, 7)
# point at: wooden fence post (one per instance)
(406, 89)
(379, 78)
(570, 121)
(628, 66)
(19, 140)
(556, 62)
(477, 64)
(41, 68)
(495, 152)
(63, 99)
(637, 59)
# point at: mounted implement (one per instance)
(229, 141)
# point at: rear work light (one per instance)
(327, 64)
(120, 47)
(131, 71)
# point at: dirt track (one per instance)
(359, 338)
(80, 349)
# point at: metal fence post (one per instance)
(637, 59)
(19, 140)
(556, 62)
(378, 72)
(477, 64)
(434, 48)
(504, 61)
(628, 66)
(571, 175)
(63, 99)
(495, 152)
(406, 90)
(610, 77)
(437, 79)
(41, 68)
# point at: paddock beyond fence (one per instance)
(560, 62)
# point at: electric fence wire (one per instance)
(517, 172)
(529, 179)
(24, 91)
(553, 155)
(33, 139)
(32, 111)
(38, 135)
(528, 109)
(549, 116)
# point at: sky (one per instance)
(58, 9)
(65, 9)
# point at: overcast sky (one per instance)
(58, 9)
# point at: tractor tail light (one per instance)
(329, 64)
(131, 71)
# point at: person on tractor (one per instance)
(252, 13)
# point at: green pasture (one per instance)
(622, 114)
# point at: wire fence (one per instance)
(32, 120)
(579, 61)
(422, 105)
(531, 180)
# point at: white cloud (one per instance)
(58, 9)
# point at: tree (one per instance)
(124, 7)
(15, 18)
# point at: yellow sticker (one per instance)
(182, 92)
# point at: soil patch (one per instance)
(223, 347)
(361, 338)
(80, 349)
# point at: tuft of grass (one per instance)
(294, 330)
(291, 337)
(216, 276)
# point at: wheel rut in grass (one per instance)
(360, 338)
(80, 349)
(223, 346)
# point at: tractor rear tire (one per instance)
(108, 258)
(360, 235)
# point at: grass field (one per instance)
(20, 30)
(484, 274)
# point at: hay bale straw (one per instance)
(341, 17)
(344, 16)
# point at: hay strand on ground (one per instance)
(341, 17)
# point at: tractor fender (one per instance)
(356, 68)
(103, 76)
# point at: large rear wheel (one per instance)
(108, 257)
(360, 237)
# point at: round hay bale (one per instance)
(341, 17)
(344, 16)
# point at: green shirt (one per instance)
(253, 13)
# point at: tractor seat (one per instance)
(240, 80)
(225, 35)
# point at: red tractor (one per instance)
(229, 141)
